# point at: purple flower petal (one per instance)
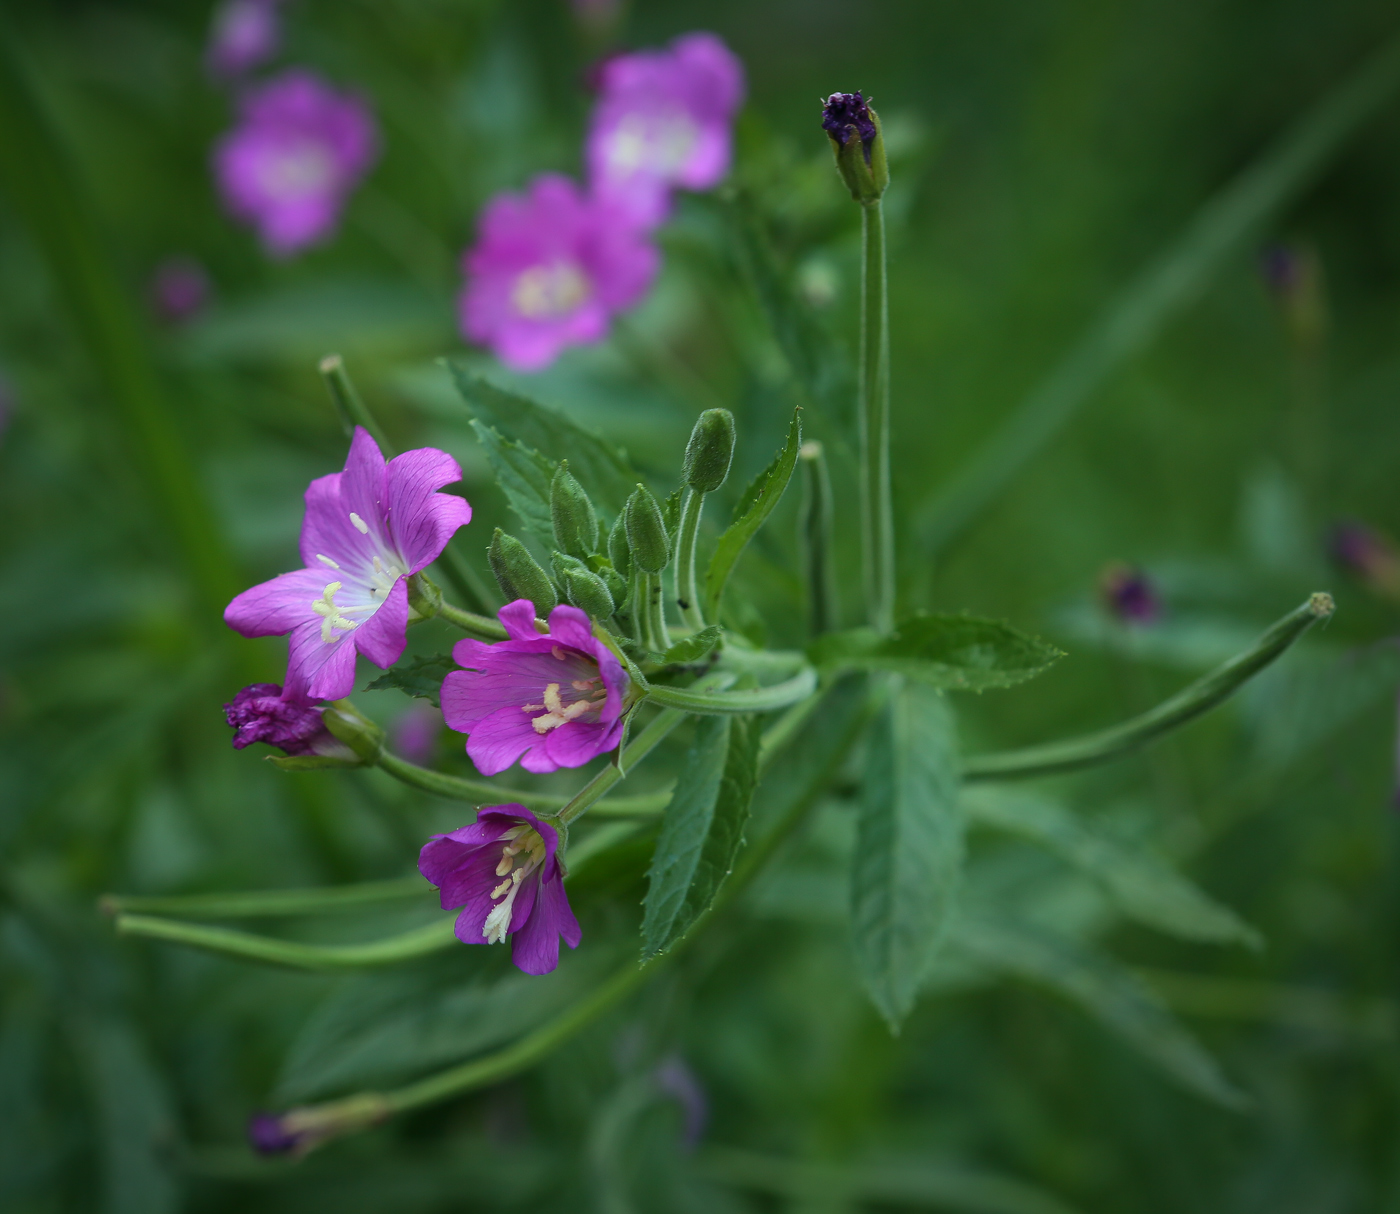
(498, 741)
(422, 520)
(275, 607)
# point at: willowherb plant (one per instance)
(617, 631)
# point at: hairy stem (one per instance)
(687, 594)
(1201, 696)
(483, 627)
(758, 699)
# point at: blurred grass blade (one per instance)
(251, 904)
(1142, 886)
(910, 1182)
(909, 846)
(1200, 697)
(703, 829)
(45, 190)
(1106, 990)
(1168, 285)
(291, 953)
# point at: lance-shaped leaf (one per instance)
(524, 476)
(703, 829)
(909, 846)
(420, 677)
(601, 468)
(754, 507)
(1113, 995)
(953, 651)
(695, 646)
(1142, 886)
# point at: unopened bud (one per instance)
(709, 451)
(355, 729)
(618, 551)
(583, 588)
(575, 522)
(646, 532)
(617, 586)
(518, 573)
(854, 129)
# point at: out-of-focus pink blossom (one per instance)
(179, 289)
(244, 35)
(414, 734)
(663, 119)
(548, 270)
(299, 150)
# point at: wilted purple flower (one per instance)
(844, 111)
(415, 732)
(675, 1079)
(263, 712)
(366, 531)
(662, 120)
(502, 871)
(548, 270)
(179, 289)
(244, 34)
(299, 150)
(1366, 553)
(550, 701)
(1129, 594)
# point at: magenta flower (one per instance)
(244, 34)
(550, 701)
(298, 151)
(366, 531)
(502, 871)
(548, 270)
(662, 120)
(179, 289)
(263, 712)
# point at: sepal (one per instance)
(356, 730)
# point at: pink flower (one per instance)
(294, 158)
(244, 34)
(502, 871)
(550, 701)
(662, 120)
(366, 530)
(548, 270)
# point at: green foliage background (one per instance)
(1043, 154)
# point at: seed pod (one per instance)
(575, 521)
(582, 587)
(709, 451)
(618, 551)
(646, 532)
(519, 574)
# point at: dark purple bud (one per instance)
(676, 1080)
(261, 713)
(179, 289)
(268, 1136)
(1366, 553)
(844, 112)
(1129, 594)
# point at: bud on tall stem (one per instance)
(575, 521)
(708, 455)
(650, 547)
(854, 129)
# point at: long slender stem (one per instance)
(1201, 696)
(481, 626)
(877, 509)
(816, 539)
(687, 594)
(255, 903)
(757, 699)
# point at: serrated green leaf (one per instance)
(1142, 886)
(754, 507)
(420, 677)
(695, 646)
(524, 475)
(603, 469)
(703, 829)
(1113, 995)
(962, 652)
(909, 846)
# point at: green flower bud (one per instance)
(709, 451)
(859, 146)
(519, 574)
(618, 551)
(355, 729)
(575, 522)
(617, 586)
(582, 587)
(646, 532)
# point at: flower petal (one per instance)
(501, 738)
(422, 520)
(518, 619)
(276, 607)
(327, 671)
(382, 637)
(362, 487)
(535, 947)
(570, 626)
(575, 743)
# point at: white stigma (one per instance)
(360, 525)
(518, 839)
(331, 617)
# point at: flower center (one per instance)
(331, 616)
(296, 171)
(514, 867)
(550, 291)
(660, 144)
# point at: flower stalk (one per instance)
(816, 539)
(877, 509)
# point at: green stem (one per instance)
(757, 699)
(251, 904)
(687, 594)
(1201, 696)
(877, 510)
(483, 627)
(816, 539)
